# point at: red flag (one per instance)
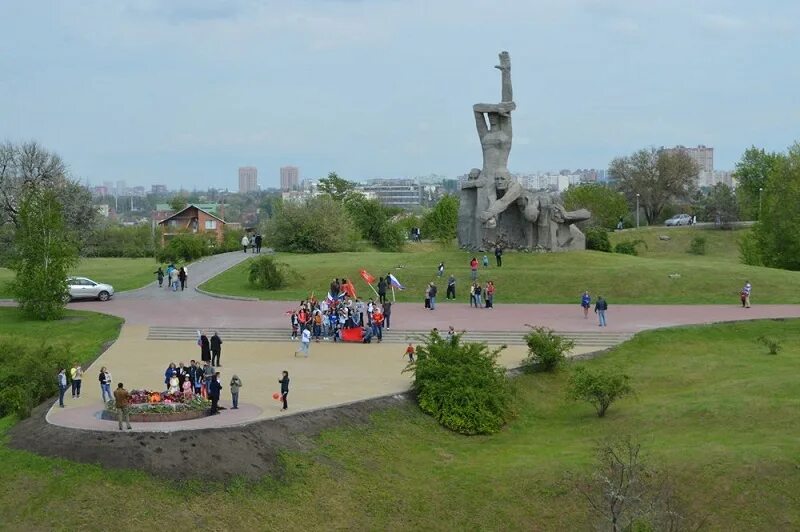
(349, 289)
(366, 276)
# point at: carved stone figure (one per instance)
(495, 209)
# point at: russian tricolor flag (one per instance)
(395, 283)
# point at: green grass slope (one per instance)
(712, 410)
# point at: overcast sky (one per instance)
(183, 92)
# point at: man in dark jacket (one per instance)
(205, 348)
(382, 290)
(284, 382)
(213, 393)
(259, 239)
(196, 376)
(498, 255)
(216, 350)
(600, 307)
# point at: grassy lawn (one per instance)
(720, 245)
(547, 278)
(85, 332)
(712, 410)
(122, 274)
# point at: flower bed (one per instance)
(148, 406)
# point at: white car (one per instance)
(679, 219)
(84, 288)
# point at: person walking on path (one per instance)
(387, 314)
(76, 375)
(121, 400)
(600, 308)
(259, 240)
(432, 295)
(175, 280)
(746, 289)
(490, 294)
(440, 270)
(62, 386)
(409, 352)
(160, 276)
(170, 271)
(245, 242)
(105, 384)
(473, 266)
(213, 393)
(182, 278)
(451, 287)
(305, 343)
(498, 255)
(236, 385)
(381, 291)
(284, 382)
(216, 350)
(586, 302)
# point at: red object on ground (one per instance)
(276, 396)
(352, 334)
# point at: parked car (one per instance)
(679, 219)
(84, 288)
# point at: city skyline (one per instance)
(183, 93)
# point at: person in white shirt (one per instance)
(305, 343)
(245, 242)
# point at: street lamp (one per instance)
(760, 190)
(637, 210)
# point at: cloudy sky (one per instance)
(183, 92)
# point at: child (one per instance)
(485, 261)
(188, 388)
(410, 352)
(160, 276)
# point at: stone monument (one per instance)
(495, 210)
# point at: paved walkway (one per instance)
(334, 374)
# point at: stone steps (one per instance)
(251, 334)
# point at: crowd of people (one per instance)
(175, 277)
(253, 242)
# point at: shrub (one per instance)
(390, 237)
(185, 248)
(600, 388)
(269, 274)
(461, 385)
(749, 250)
(773, 345)
(28, 375)
(320, 225)
(628, 247)
(546, 350)
(597, 239)
(697, 246)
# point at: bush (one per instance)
(440, 222)
(119, 241)
(606, 204)
(628, 247)
(597, 239)
(697, 246)
(185, 248)
(773, 345)
(269, 274)
(390, 237)
(546, 350)
(461, 385)
(749, 250)
(319, 225)
(28, 375)
(599, 388)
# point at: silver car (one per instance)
(84, 288)
(679, 219)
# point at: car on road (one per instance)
(679, 219)
(85, 288)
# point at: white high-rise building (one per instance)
(290, 178)
(248, 179)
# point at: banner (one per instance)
(395, 283)
(366, 276)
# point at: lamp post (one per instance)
(760, 190)
(637, 210)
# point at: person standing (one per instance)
(409, 352)
(305, 342)
(377, 324)
(284, 382)
(451, 287)
(105, 385)
(387, 314)
(122, 399)
(428, 296)
(490, 294)
(236, 385)
(245, 242)
(472, 301)
(205, 348)
(498, 255)
(213, 393)
(473, 266)
(600, 308)
(746, 289)
(381, 290)
(477, 295)
(216, 349)
(586, 302)
(62, 386)
(208, 376)
(76, 374)
(259, 240)
(196, 376)
(440, 270)
(434, 290)
(160, 276)
(182, 278)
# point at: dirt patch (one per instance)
(250, 451)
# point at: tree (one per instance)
(600, 388)
(606, 204)
(720, 205)
(752, 172)
(373, 220)
(318, 225)
(658, 176)
(44, 255)
(441, 221)
(337, 187)
(777, 233)
(546, 350)
(177, 203)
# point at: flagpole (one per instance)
(393, 300)
(373, 289)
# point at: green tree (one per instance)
(658, 176)
(720, 205)
(606, 204)
(547, 351)
(752, 172)
(373, 221)
(777, 233)
(337, 187)
(600, 388)
(440, 222)
(177, 203)
(44, 254)
(318, 225)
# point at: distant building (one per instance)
(403, 193)
(122, 188)
(248, 179)
(100, 192)
(192, 219)
(164, 210)
(703, 157)
(160, 190)
(138, 192)
(290, 178)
